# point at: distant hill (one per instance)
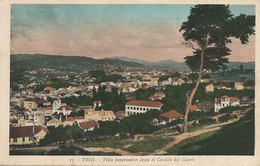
(23, 62)
(181, 66)
(246, 65)
(162, 65)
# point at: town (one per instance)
(117, 102)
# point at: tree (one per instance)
(208, 31)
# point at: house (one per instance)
(209, 88)
(223, 86)
(194, 108)
(47, 111)
(97, 104)
(65, 110)
(49, 88)
(161, 94)
(225, 101)
(93, 86)
(56, 104)
(91, 114)
(177, 81)
(24, 135)
(120, 114)
(141, 106)
(30, 103)
(73, 120)
(53, 122)
(239, 86)
(154, 97)
(171, 116)
(88, 126)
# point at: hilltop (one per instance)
(23, 62)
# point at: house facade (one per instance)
(103, 115)
(225, 101)
(171, 116)
(24, 135)
(209, 88)
(141, 106)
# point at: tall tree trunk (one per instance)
(190, 97)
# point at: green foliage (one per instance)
(229, 109)
(111, 100)
(76, 101)
(249, 83)
(135, 124)
(79, 113)
(225, 118)
(207, 121)
(211, 27)
(113, 142)
(143, 94)
(62, 134)
(71, 150)
(149, 145)
(165, 77)
(25, 62)
(102, 77)
(233, 139)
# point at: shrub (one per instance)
(229, 109)
(207, 121)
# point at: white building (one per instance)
(92, 86)
(225, 101)
(141, 106)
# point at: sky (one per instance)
(147, 32)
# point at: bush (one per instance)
(207, 121)
(226, 118)
(64, 150)
(229, 109)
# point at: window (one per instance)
(141, 108)
(128, 107)
(134, 108)
(23, 139)
(137, 108)
(15, 139)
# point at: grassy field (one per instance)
(234, 139)
(113, 142)
(150, 144)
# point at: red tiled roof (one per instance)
(120, 112)
(194, 108)
(99, 102)
(172, 114)
(93, 85)
(30, 99)
(49, 88)
(145, 103)
(208, 85)
(74, 118)
(66, 107)
(154, 97)
(26, 131)
(88, 125)
(232, 99)
(45, 108)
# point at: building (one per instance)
(120, 114)
(97, 104)
(73, 120)
(171, 116)
(209, 88)
(239, 86)
(93, 86)
(65, 110)
(154, 97)
(53, 122)
(91, 114)
(141, 106)
(88, 126)
(225, 101)
(177, 81)
(194, 108)
(24, 135)
(30, 103)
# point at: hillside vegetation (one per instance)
(24, 62)
(234, 139)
